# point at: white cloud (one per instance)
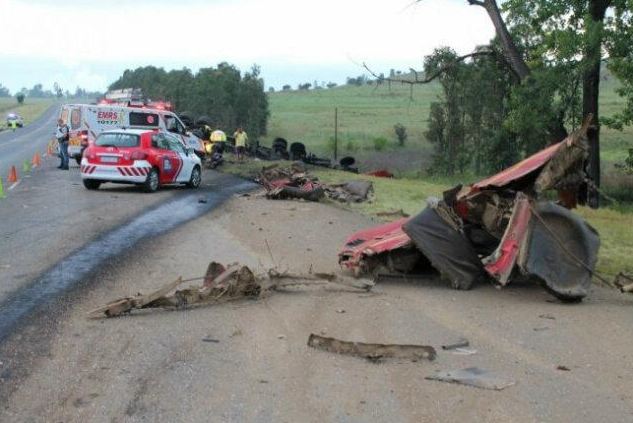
(292, 32)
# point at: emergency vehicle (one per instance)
(149, 158)
(86, 122)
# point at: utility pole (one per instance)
(335, 134)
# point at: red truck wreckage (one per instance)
(498, 228)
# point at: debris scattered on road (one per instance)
(495, 229)
(222, 284)
(541, 328)
(563, 368)
(202, 201)
(464, 351)
(296, 183)
(372, 352)
(473, 376)
(340, 311)
(547, 316)
(461, 343)
(209, 339)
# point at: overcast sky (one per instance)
(90, 42)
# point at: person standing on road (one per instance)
(240, 142)
(63, 136)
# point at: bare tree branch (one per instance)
(434, 75)
(476, 3)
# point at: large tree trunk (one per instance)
(591, 91)
(510, 51)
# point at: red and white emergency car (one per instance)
(139, 156)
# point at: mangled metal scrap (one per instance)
(473, 376)
(222, 284)
(495, 228)
(296, 182)
(373, 352)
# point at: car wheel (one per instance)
(151, 183)
(91, 184)
(196, 178)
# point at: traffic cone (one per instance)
(26, 166)
(37, 160)
(13, 175)
(1, 189)
(49, 150)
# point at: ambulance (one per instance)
(87, 121)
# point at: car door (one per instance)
(184, 173)
(168, 161)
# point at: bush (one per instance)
(351, 146)
(380, 143)
(20, 98)
(401, 133)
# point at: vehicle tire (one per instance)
(151, 183)
(91, 184)
(196, 178)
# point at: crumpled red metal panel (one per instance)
(376, 240)
(519, 170)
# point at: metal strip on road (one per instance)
(77, 266)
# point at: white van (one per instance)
(87, 121)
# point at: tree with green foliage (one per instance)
(554, 50)
(4, 91)
(223, 94)
(20, 97)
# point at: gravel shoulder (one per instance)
(155, 366)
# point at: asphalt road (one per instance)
(247, 361)
(65, 251)
(21, 144)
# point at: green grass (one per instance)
(368, 112)
(31, 109)
(614, 226)
(364, 113)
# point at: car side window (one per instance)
(160, 141)
(173, 125)
(176, 145)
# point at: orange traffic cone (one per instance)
(37, 160)
(13, 175)
(49, 150)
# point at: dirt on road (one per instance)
(248, 360)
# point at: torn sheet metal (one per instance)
(494, 229)
(447, 249)
(473, 376)
(373, 352)
(222, 284)
(365, 244)
(559, 242)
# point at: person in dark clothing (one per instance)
(63, 136)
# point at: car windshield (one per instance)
(118, 140)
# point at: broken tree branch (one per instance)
(434, 75)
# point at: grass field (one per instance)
(31, 109)
(368, 112)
